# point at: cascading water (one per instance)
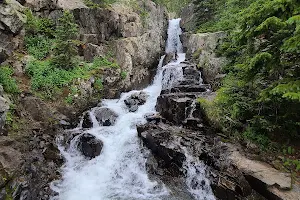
(119, 172)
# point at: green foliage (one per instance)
(39, 46)
(38, 25)
(260, 95)
(216, 15)
(98, 85)
(98, 3)
(123, 74)
(70, 98)
(104, 63)
(49, 81)
(65, 46)
(173, 6)
(7, 81)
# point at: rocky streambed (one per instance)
(177, 154)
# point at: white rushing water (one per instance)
(119, 173)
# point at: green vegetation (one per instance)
(55, 70)
(65, 45)
(123, 74)
(173, 6)
(49, 81)
(260, 96)
(7, 81)
(219, 15)
(98, 3)
(38, 46)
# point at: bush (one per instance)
(7, 81)
(38, 25)
(65, 46)
(38, 46)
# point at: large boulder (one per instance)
(89, 145)
(265, 179)
(135, 100)
(105, 116)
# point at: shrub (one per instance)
(7, 81)
(38, 25)
(38, 46)
(65, 46)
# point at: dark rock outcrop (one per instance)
(169, 144)
(89, 145)
(87, 121)
(105, 116)
(135, 100)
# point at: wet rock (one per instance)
(105, 116)
(169, 58)
(167, 142)
(135, 100)
(87, 121)
(189, 88)
(89, 145)
(160, 143)
(156, 118)
(52, 153)
(173, 107)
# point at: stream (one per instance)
(119, 172)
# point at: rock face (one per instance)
(135, 100)
(11, 22)
(105, 116)
(89, 145)
(137, 42)
(201, 50)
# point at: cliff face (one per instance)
(131, 33)
(135, 37)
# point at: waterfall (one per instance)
(119, 172)
(174, 44)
